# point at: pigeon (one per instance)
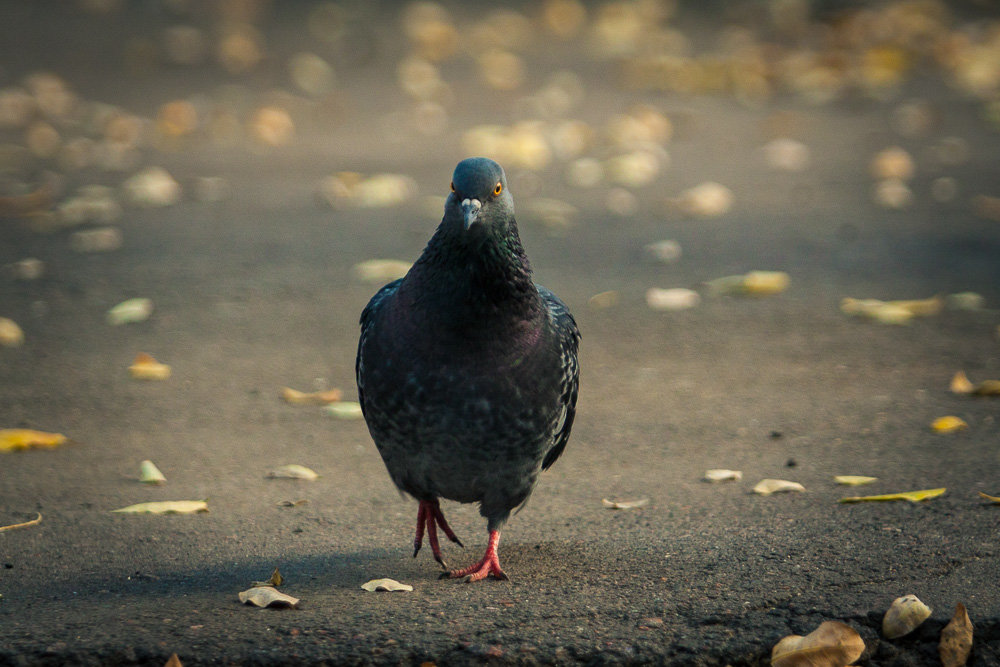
(467, 370)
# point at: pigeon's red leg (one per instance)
(435, 510)
(429, 516)
(489, 565)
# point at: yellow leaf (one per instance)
(345, 410)
(293, 471)
(722, 475)
(11, 334)
(173, 661)
(912, 496)
(960, 384)
(854, 480)
(948, 424)
(766, 487)
(267, 596)
(992, 499)
(296, 397)
(150, 474)
(34, 522)
(385, 585)
(624, 504)
(832, 644)
(956, 639)
(145, 367)
(166, 507)
(275, 580)
(12, 439)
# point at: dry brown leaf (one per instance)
(296, 397)
(956, 639)
(13, 439)
(904, 616)
(24, 206)
(145, 367)
(390, 585)
(14, 526)
(293, 503)
(267, 596)
(624, 504)
(832, 644)
(766, 487)
(173, 661)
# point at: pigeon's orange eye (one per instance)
(498, 189)
(452, 187)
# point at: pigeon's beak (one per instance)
(470, 211)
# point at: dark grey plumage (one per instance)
(467, 370)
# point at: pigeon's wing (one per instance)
(367, 320)
(568, 336)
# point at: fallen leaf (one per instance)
(385, 585)
(904, 615)
(166, 507)
(992, 499)
(173, 661)
(722, 475)
(766, 487)
(912, 496)
(604, 299)
(150, 474)
(27, 205)
(380, 270)
(754, 283)
(293, 471)
(832, 644)
(11, 334)
(854, 480)
(293, 503)
(14, 526)
(145, 367)
(892, 312)
(295, 397)
(956, 639)
(13, 439)
(267, 596)
(345, 410)
(960, 384)
(129, 311)
(675, 298)
(624, 504)
(275, 580)
(948, 424)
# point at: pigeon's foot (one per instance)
(429, 515)
(489, 565)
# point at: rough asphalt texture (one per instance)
(255, 293)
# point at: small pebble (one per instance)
(100, 239)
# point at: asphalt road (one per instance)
(255, 292)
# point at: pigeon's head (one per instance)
(479, 196)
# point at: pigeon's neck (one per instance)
(474, 280)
